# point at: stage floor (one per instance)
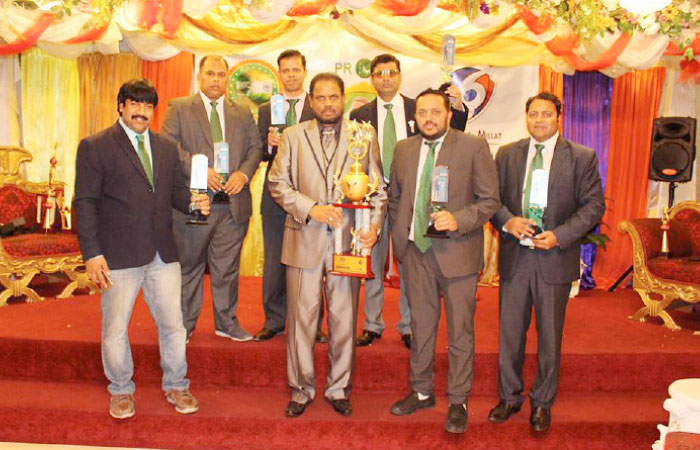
(614, 377)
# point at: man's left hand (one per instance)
(546, 240)
(235, 183)
(455, 96)
(201, 202)
(444, 221)
(369, 238)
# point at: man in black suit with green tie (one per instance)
(551, 197)
(291, 65)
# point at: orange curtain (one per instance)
(101, 76)
(551, 81)
(172, 78)
(635, 104)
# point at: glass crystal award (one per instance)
(198, 185)
(221, 167)
(277, 116)
(438, 199)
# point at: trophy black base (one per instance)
(196, 218)
(432, 233)
(221, 197)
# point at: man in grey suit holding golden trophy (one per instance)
(316, 159)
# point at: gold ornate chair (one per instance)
(24, 256)
(665, 282)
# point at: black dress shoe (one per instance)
(411, 404)
(540, 419)
(406, 338)
(321, 337)
(367, 337)
(296, 409)
(341, 405)
(264, 335)
(456, 419)
(502, 412)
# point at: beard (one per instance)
(437, 135)
(329, 120)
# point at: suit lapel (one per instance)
(156, 156)
(228, 120)
(373, 115)
(313, 140)
(560, 159)
(409, 110)
(128, 148)
(200, 113)
(446, 149)
(413, 159)
(306, 112)
(340, 157)
(521, 170)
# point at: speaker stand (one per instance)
(671, 196)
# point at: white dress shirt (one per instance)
(421, 163)
(399, 114)
(547, 155)
(219, 108)
(298, 108)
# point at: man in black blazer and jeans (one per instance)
(127, 181)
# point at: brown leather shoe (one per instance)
(184, 402)
(121, 406)
(266, 335)
(540, 418)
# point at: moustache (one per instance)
(139, 117)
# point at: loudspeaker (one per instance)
(672, 149)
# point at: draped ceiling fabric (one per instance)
(160, 30)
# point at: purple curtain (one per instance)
(586, 120)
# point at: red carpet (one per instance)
(614, 378)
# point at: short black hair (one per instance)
(326, 76)
(548, 96)
(219, 57)
(292, 54)
(439, 93)
(137, 90)
(384, 58)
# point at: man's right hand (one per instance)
(520, 227)
(273, 137)
(328, 214)
(98, 271)
(214, 181)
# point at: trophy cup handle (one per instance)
(372, 188)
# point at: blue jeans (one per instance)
(161, 289)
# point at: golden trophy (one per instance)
(356, 189)
(665, 226)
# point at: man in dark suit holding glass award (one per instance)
(448, 265)
(552, 197)
(208, 123)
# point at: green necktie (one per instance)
(420, 215)
(291, 117)
(215, 124)
(145, 160)
(536, 163)
(388, 141)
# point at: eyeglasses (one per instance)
(386, 72)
